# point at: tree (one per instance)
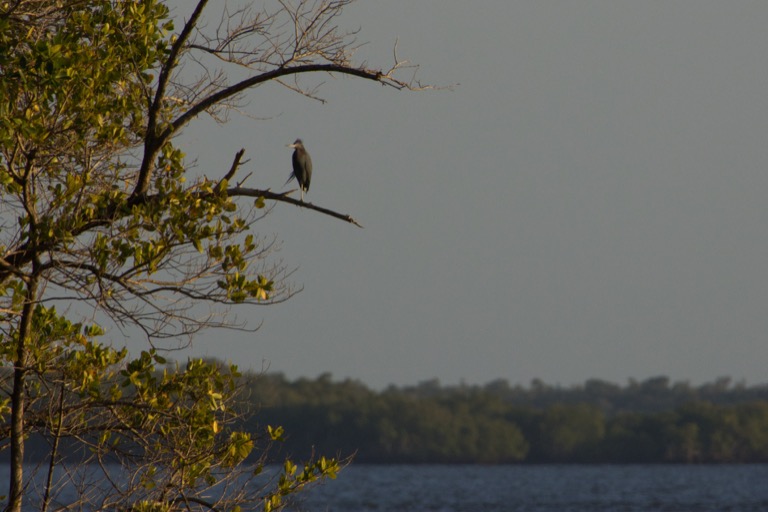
(571, 432)
(100, 216)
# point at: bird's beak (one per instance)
(291, 146)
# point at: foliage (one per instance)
(496, 423)
(100, 219)
(174, 432)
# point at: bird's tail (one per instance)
(289, 179)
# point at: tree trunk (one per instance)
(18, 402)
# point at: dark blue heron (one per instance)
(302, 167)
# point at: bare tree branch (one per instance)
(152, 143)
(284, 198)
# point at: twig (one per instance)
(233, 169)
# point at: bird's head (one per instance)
(297, 144)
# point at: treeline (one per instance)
(652, 421)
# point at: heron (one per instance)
(302, 167)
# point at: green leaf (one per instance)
(276, 433)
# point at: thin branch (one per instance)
(233, 168)
(152, 142)
(284, 198)
(224, 94)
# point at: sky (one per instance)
(587, 201)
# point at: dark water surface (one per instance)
(362, 488)
(575, 488)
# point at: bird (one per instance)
(302, 167)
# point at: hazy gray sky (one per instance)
(589, 201)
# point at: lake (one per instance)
(546, 488)
(577, 488)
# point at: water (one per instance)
(543, 489)
(548, 488)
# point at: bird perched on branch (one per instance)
(302, 167)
